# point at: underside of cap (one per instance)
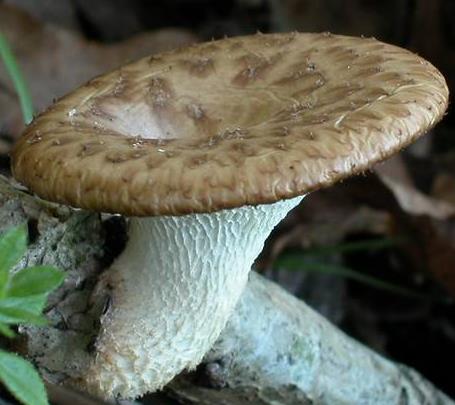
(240, 121)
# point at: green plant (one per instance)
(16, 77)
(23, 296)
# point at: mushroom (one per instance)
(206, 149)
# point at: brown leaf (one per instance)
(438, 248)
(395, 177)
(55, 60)
(59, 12)
(325, 218)
(444, 188)
(429, 219)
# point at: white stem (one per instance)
(173, 289)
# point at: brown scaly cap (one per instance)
(247, 120)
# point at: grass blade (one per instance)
(300, 262)
(17, 78)
(365, 245)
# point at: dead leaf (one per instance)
(59, 12)
(429, 220)
(394, 175)
(55, 60)
(325, 218)
(444, 188)
(438, 248)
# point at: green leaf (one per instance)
(18, 80)
(32, 303)
(22, 380)
(13, 245)
(6, 331)
(15, 316)
(16, 310)
(35, 281)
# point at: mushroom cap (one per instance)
(246, 120)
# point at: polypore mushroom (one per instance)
(206, 149)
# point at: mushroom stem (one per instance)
(173, 290)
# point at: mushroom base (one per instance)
(172, 291)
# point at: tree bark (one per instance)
(274, 349)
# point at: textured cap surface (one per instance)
(247, 120)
